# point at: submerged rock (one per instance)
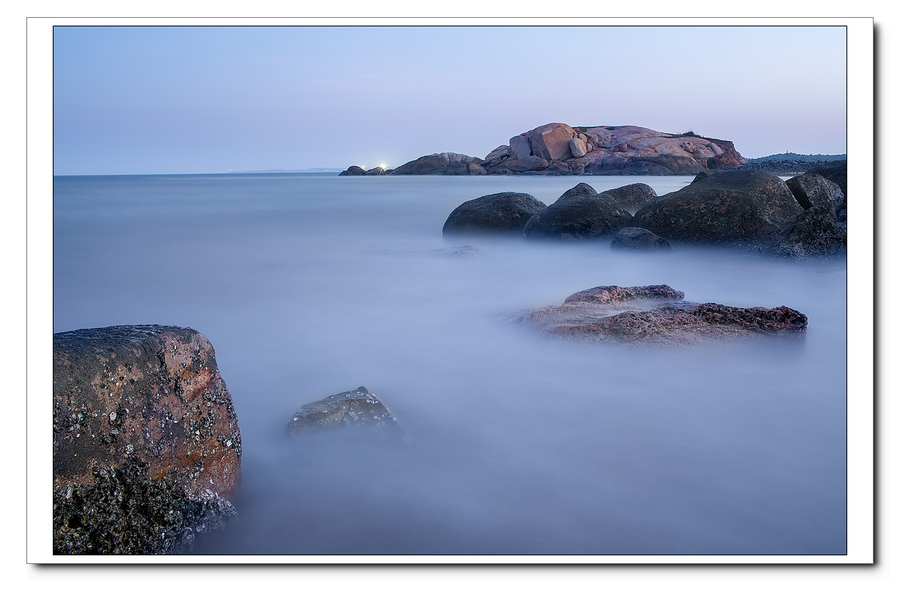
(656, 315)
(146, 444)
(639, 239)
(352, 409)
(632, 197)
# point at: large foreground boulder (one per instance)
(503, 213)
(146, 443)
(727, 207)
(656, 315)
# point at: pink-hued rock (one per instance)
(656, 315)
(551, 142)
(139, 410)
(624, 150)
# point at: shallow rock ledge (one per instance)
(656, 315)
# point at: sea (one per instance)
(308, 285)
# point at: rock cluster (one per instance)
(803, 217)
(656, 315)
(557, 148)
(146, 444)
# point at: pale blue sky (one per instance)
(214, 99)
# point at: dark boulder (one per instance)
(815, 233)
(578, 190)
(727, 207)
(504, 213)
(639, 239)
(578, 217)
(836, 172)
(353, 171)
(811, 188)
(632, 197)
(656, 315)
(146, 444)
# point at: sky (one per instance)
(159, 100)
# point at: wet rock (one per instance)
(639, 239)
(498, 213)
(811, 188)
(632, 197)
(139, 411)
(815, 233)
(578, 217)
(581, 189)
(835, 171)
(656, 315)
(730, 207)
(352, 409)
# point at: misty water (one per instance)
(310, 285)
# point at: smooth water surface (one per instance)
(310, 285)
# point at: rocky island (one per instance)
(560, 149)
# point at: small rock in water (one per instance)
(460, 252)
(352, 409)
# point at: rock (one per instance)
(462, 252)
(633, 197)
(503, 213)
(352, 409)
(578, 217)
(353, 171)
(475, 168)
(377, 171)
(657, 315)
(146, 443)
(729, 207)
(578, 147)
(639, 239)
(526, 164)
(578, 190)
(551, 141)
(815, 233)
(835, 171)
(619, 150)
(520, 147)
(811, 188)
(444, 163)
(498, 154)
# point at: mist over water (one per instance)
(311, 285)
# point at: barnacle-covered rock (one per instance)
(146, 444)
